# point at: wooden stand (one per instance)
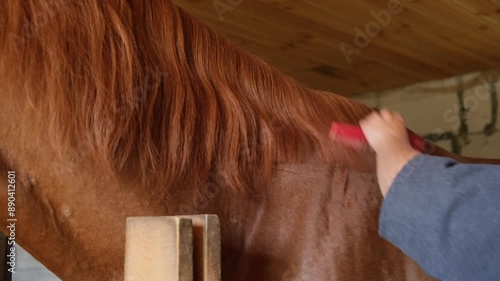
(173, 248)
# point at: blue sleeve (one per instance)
(446, 216)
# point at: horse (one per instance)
(113, 109)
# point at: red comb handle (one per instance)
(351, 132)
(418, 142)
(354, 133)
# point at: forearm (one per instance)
(446, 216)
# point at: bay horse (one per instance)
(111, 109)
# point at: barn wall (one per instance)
(459, 113)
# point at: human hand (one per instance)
(386, 133)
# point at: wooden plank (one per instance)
(428, 40)
(425, 46)
(485, 12)
(245, 26)
(343, 79)
(280, 28)
(206, 247)
(159, 249)
(291, 24)
(451, 27)
(176, 248)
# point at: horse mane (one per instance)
(144, 82)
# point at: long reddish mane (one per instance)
(145, 81)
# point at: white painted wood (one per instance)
(159, 249)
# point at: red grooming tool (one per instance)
(354, 135)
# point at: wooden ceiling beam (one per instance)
(427, 40)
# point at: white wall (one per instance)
(29, 269)
(433, 108)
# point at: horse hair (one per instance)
(145, 81)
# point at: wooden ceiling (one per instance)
(423, 40)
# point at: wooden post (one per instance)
(173, 248)
(159, 249)
(206, 247)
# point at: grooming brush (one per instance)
(353, 135)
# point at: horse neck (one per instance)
(73, 202)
